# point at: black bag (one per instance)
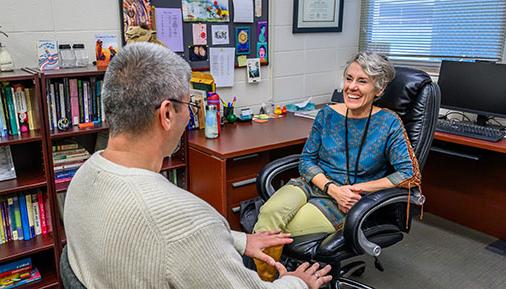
(249, 210)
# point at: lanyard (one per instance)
(362, 141)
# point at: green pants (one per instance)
(287, 209)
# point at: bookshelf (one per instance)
(175, 166)
(30, 158)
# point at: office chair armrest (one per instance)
(353, 232)
(271, 170)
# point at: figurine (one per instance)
(278, 111)
(283, 111)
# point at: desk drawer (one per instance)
(241, 166)
(238, 191)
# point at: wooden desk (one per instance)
(469, 189)
(222, 171)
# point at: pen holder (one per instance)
(228, 112)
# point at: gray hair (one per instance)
(140, 77)
(376, 66)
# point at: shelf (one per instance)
(24, 181)
(23, 138)
(49, 279)
(75, 72)
(77, 131)
(16, 75)
(172, 163)
(17, 249)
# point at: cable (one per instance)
(459, 113)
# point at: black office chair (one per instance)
(378, 220)
(68, 277)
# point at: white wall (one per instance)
(301, 65)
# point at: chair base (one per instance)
(346, 283)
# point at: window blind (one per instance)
(426, 31)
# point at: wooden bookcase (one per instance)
(32, 154)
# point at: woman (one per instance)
(350, 151)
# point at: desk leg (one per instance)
(207, 175)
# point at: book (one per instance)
(11, 110)
(24, 217)
(74, 101)
(47, 51)
(36, 215)
(29, 209)
(31, 108)
(106, 47)
(307, 114)
(15, 265)
(42, 212)
(7, 169)
(21, 108)
(33, 277)
(12, 218)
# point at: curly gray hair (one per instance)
(140, 77)
(377, 66)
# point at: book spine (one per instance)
(98, 92)
(81, 100)
(36, 214)
(29, 109)
(49, 222)
(86, 101)
(15, 272)
(24, 217)
(12, 111)
(74, 101)
(48, 100)
(15, 110)
(29, 209)
(2, 228)
(61, 98)
(5, 218)
(65, 147)
(54, 117)
(17, 216)
(14, 265)
(66, 92)
(12, 218)
(3, 116)
(42, 211)
(20, 104)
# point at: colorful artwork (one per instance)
(136, 13)
(47, 54)
(106, 47)
(262, 41)
(242, 40)
(198, 53)
(205, 10)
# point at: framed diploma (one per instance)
(317, 16)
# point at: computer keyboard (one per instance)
(469, 129)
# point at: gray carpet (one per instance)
(438, 254)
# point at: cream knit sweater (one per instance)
(131, 228)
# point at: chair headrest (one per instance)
(403, 89)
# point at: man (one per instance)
(126, 225)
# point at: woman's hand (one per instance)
(310, 274)
(346, 196)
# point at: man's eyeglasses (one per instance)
(192, 106)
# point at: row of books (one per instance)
(24, 216)
(75, 101)
(67, 158)
(17, 109)
(171, 175)
(17, 273)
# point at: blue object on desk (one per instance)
(246, 114)
(293, 108)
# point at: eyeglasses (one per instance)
(192, 106)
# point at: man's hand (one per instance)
(346, 196)
(313, 277)
(256, 243)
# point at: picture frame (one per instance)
(311, 16)
(134, 13)
(253, 70)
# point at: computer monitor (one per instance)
(476, 87)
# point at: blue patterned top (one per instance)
(386, 153)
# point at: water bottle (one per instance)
(67, 57)
(211, 130)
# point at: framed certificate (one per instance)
(317, 16)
